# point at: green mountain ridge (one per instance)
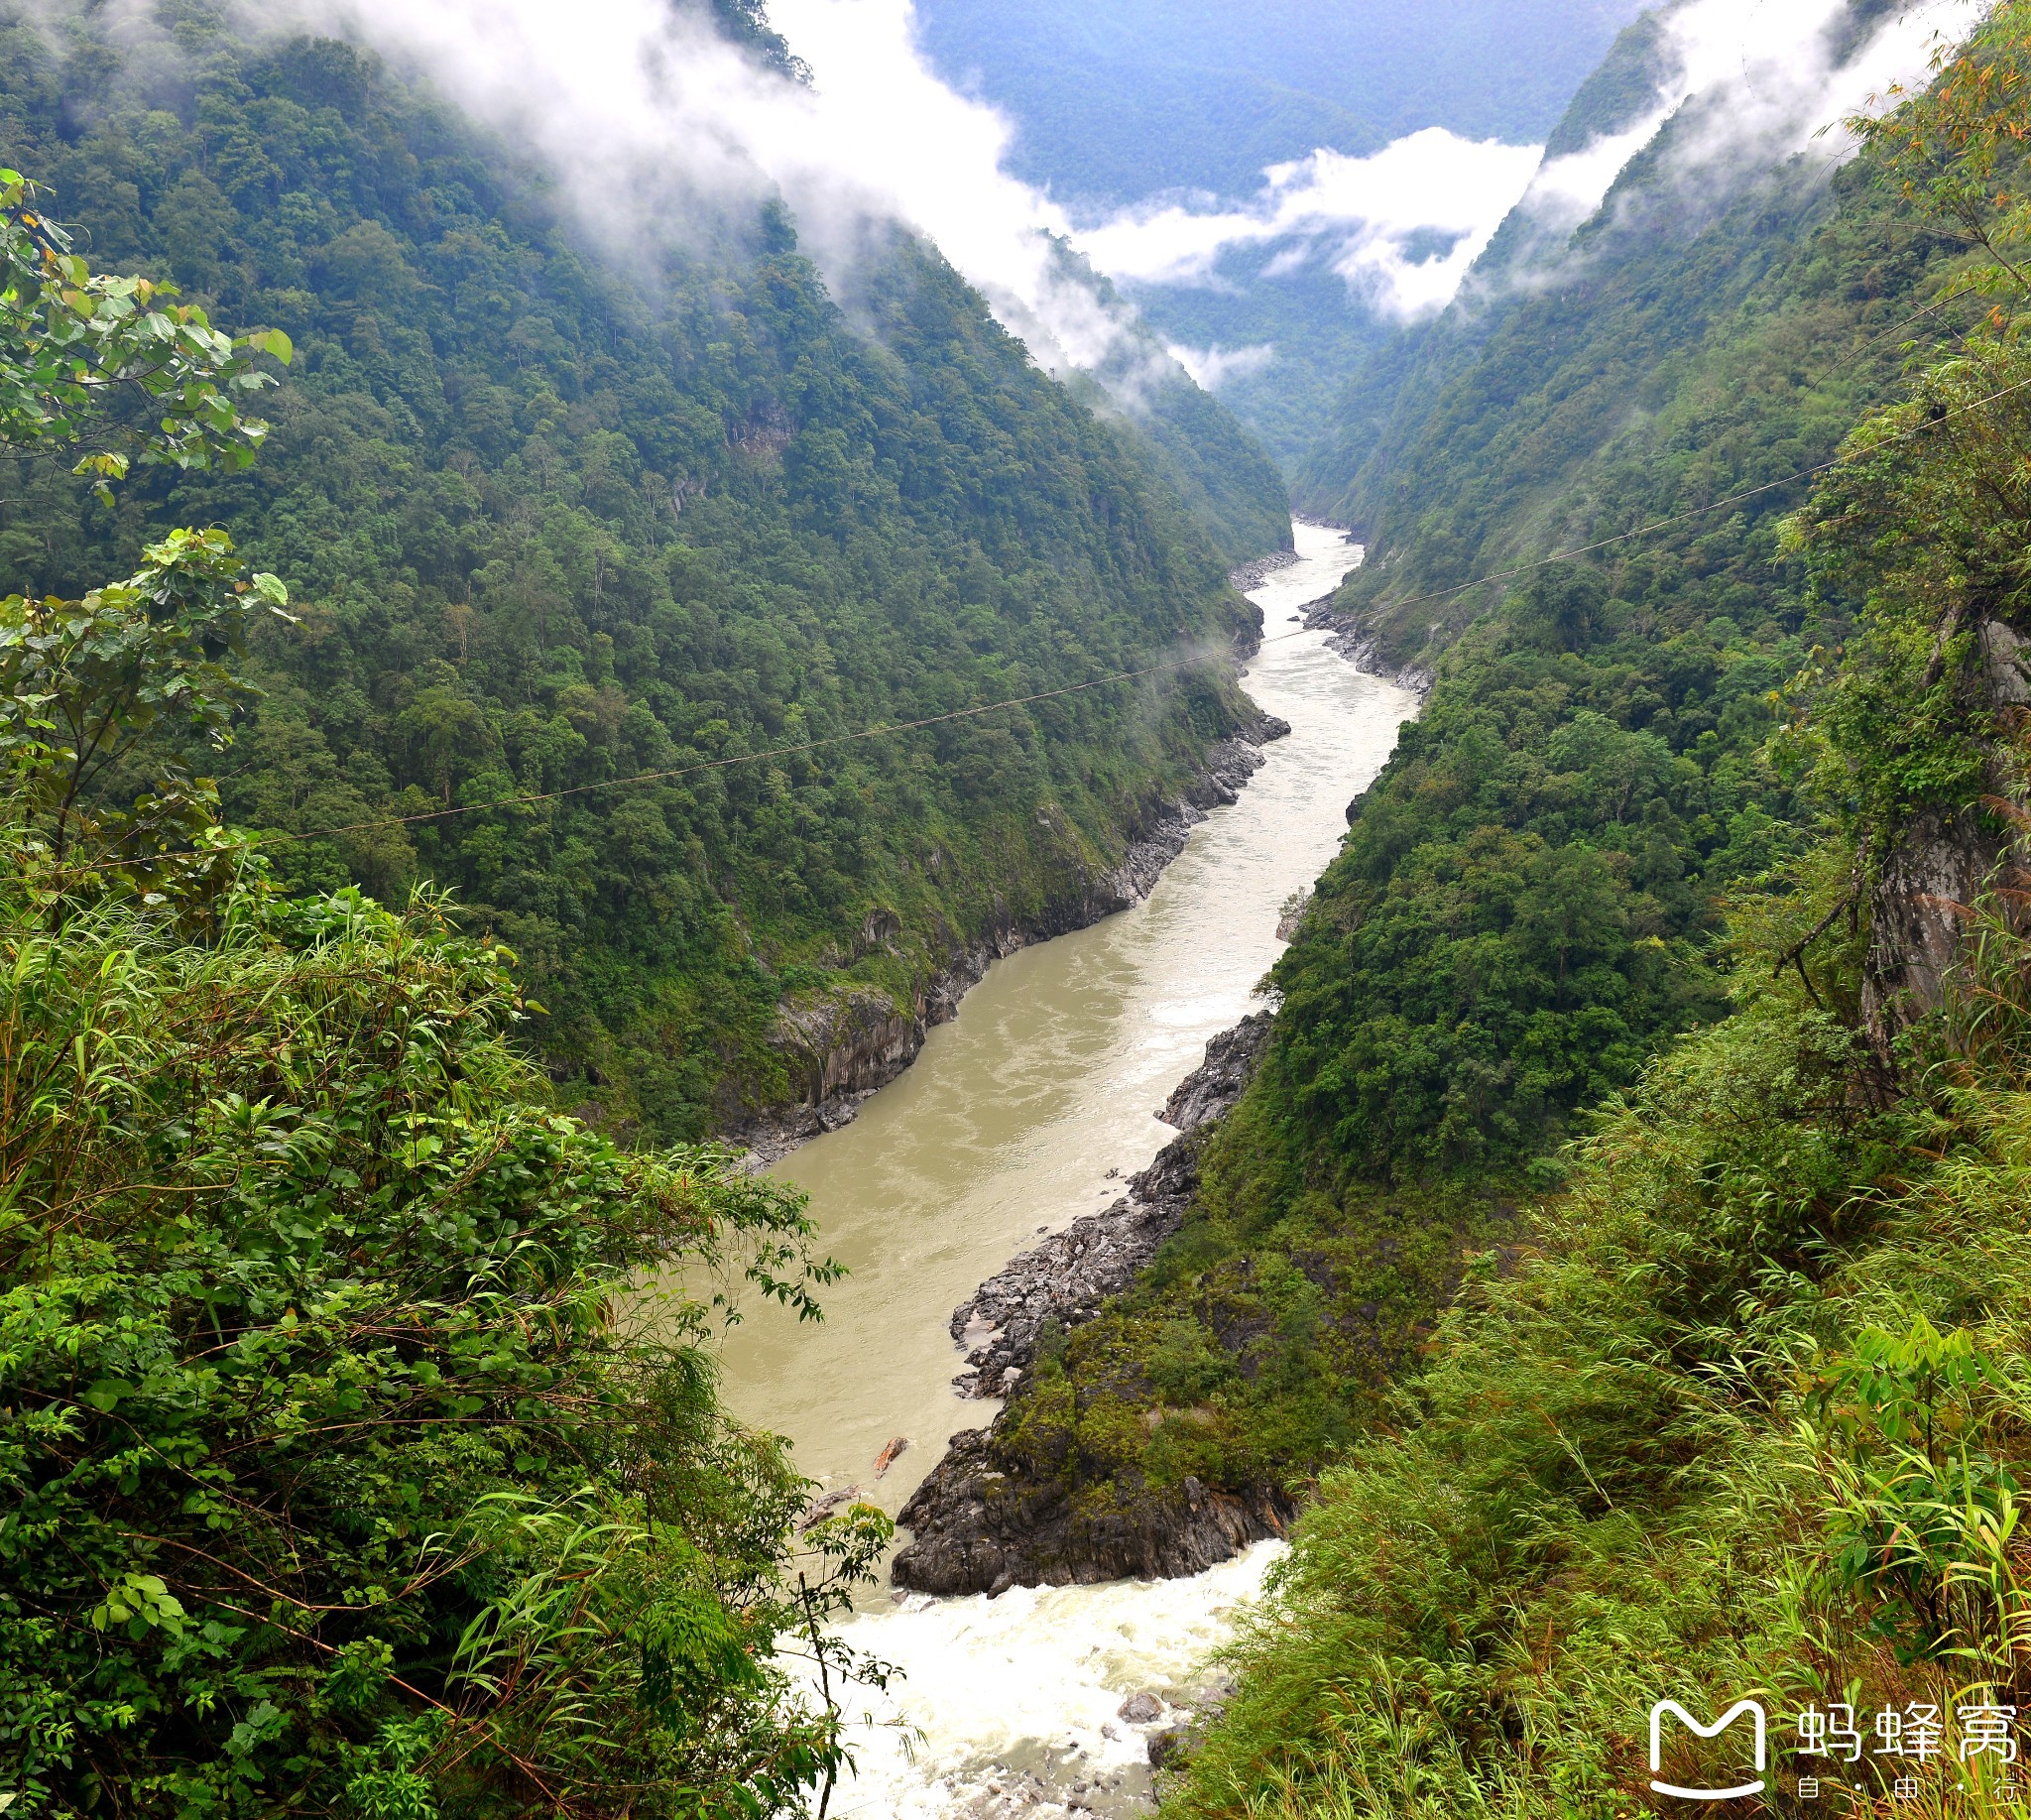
(545, 531)
(1650, 1392)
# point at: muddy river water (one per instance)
(1024, 1112)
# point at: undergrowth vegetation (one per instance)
(346, 1465)
(343, 1464)
(1749, 1416)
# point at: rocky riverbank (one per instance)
(1359, 647)
(1254, 575)
(982, 1522)
(846, 1047)
(1062, 1282)
(980, 1528)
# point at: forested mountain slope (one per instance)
(1531, 902)
(553, 519)
(1579, 387)
(1743, 1410)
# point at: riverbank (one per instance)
(1063, 1281)
(847, 1048)
(1346, 634)
(985, 1519)
(1030, 1112)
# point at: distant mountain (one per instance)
(1119, 108)
(1117, 103)
(1560, 377)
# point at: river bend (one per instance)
(1027, 1110)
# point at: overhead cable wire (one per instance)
(530, 799)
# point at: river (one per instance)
(1024, 1112)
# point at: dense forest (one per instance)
(345, 1467)
(553, 519)
(1665, 1016)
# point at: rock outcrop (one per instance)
(1212, 1089)
(980, 1522)
(1062, 1283)
(1942, 861)
(1361, 647)
(977, 1528)
(841, 1048)
(1254, 575)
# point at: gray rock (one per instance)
(1359, 647)
(1141, 1709)
(1063, 1281)
(980, 1523)
(1254, 575)
(829, 1505)
(1211, 1090)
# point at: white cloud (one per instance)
(1212, 367)
(652, 121)
(1568, 188)
(1766, 70)
(1401, 225)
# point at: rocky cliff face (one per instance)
(1942, 860)
(982, 1522)
(842, 1047)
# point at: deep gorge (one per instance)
(679, 879)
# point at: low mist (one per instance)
(655, 124)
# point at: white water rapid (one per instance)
(1024, 1113)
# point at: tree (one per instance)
(344, 1462)
(86, 682)
(117, 368)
